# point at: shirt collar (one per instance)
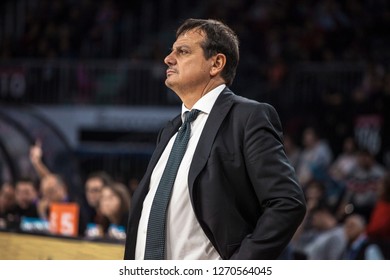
(206, 103)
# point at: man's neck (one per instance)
(190, 98)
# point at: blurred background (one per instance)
(82, 82)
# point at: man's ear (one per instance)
(218, 63)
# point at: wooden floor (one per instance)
(14, 246)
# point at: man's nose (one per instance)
(169, 59)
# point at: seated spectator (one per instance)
(293, 152)
(7, 203)
(359, 246)
(52, 189)
(115, 205)
(315, 158)
(362, 185)
(330, 241)
(345, 162)
(93, 189)
(26, 197)
(378, 228)
(315, 196)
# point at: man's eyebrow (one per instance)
(180, 47)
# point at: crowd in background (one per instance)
(103, 209)
(348, 200)
(272, 31)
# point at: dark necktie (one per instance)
(155, 238)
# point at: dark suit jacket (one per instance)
(243, 190)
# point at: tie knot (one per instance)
(190, 116)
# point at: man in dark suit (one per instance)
(235, 195)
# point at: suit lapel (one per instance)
(165, 136)
(218, 113)
(214, 121)
(143, 188)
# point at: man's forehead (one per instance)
(190, 37)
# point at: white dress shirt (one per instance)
(185, 238)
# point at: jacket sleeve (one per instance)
(275, 184)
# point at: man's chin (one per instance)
(169, 83)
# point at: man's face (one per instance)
(110, 203)
(25, 194)
(188, 70)
(7, 197)
(51, 189)
(93, 188)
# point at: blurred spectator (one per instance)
(379, 223)
(378, 228)
(359, 247)
(367, 103)
(7, 197)
(315, 196)
(26, 197)
(115, 205)
(93, 190)
(335, 113)
(316, 156)
(36, 159)
(53, 190)
(330, 241)
(345, 162)
(338, 172)
(293, 152)
(7, 203)
(366, 97)
(362, 185)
